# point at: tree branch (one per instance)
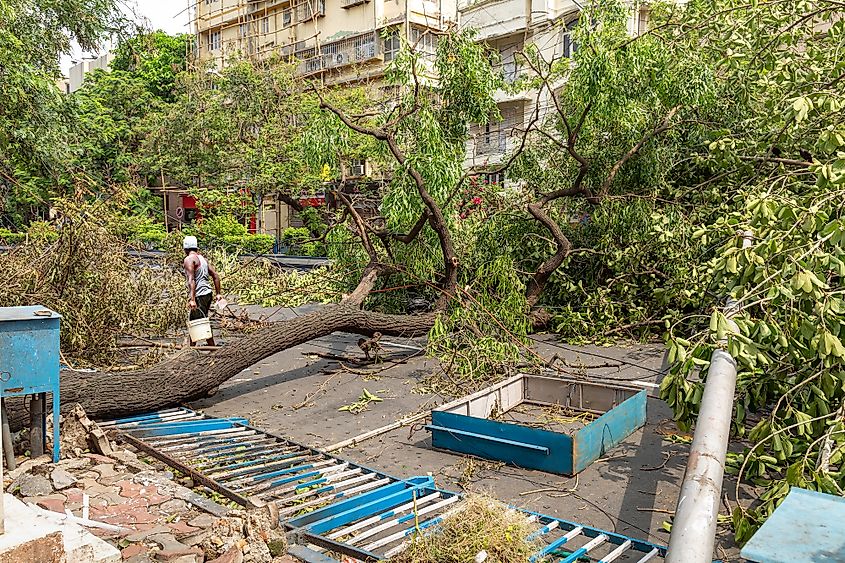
(436, 218)
(663, 126)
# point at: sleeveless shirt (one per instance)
(202, 278)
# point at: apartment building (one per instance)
(508, 26)
(338, 41)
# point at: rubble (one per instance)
(80, 434)
(250, 532)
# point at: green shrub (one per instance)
(216, 228)
(8, 237)
(249, 243)
(42, 231)
(295, 238)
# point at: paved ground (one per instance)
(632, 491)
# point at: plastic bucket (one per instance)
(199, 329)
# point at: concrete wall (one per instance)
(76, 74)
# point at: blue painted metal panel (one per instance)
(593, 441)
(29, 357)
(192, 427)
(342, 513)
(591, 532)
(807, 526)
(246, 464)
(392, 503)
(29, 351)
(559, 446)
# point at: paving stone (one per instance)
(168, 542)
(27, 466)
(186, 555)
(202, 521)
(130, 512)
(108, 474)
(100, 458)
(62, 479)
(133, 550)
(147, 531)
(197, 538)
(232, 555)
(129, 489)
(181, 528)
(74, 463)
(155, 496)
(95, 488)
(174, 506)
(166, 486)
(33, 485)
(51, 496)
(55, 505)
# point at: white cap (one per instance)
(189, 242)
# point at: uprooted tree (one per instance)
(424, 236)
(484, 295)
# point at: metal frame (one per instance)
(464, 426)
(380, 524)
(247, 465)
(330, 505)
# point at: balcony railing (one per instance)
(350, 3)
(348, 51)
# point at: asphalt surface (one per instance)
(632, 490)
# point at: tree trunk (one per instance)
(191, 374)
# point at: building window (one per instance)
(424, 40)
(392, 44)
(265, 25)
(214, 41)
(243, 30)
(357, 168)
(209, 2)
(569, 45)
(507, 55)
(287, 18)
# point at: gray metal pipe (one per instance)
(696, 515)
(694, 527)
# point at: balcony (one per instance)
(351, 3)
(348, 51)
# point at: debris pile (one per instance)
(481, 529)
(140, 507)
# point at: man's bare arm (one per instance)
(190, 273)
(215, 277)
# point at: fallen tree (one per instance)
(192, 374)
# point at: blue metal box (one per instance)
(29, 356)
(464, 425)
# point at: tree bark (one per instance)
(190, 375)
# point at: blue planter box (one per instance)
(464, 425)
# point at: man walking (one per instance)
(197, 272)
